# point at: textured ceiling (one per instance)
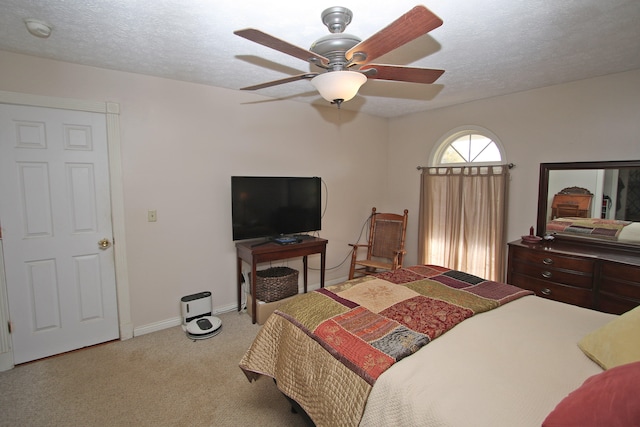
(486, 47)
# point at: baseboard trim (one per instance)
(176, 321)
(6, 361)
(126, 331)
(157, 326)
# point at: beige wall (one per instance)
(588, 120)
(181, 142)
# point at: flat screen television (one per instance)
(268, 206)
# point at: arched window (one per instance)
(463, 209)
(467, 145)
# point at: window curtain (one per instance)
(462, 219)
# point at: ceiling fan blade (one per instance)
(411, 25)
(281, 81)
(401, 74)
(281, 46)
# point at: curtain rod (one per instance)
(511, 166)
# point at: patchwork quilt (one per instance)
(326, 348)
(594, 227)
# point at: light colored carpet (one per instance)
(159, 379)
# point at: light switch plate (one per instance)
(152, 216)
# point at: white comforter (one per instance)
(506, 367)
(631, 233)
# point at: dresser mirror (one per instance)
(591, 203)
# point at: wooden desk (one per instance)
(256, 251)
(581, 203)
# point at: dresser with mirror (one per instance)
(593, 259)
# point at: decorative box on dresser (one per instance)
(599, 278)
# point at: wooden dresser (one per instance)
(599, 278)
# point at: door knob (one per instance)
(104, 243)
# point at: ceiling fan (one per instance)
(346, 59)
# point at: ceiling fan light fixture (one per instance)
(339, 85)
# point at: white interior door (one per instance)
(54, 211)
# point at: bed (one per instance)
(430, 346)
(607, 229)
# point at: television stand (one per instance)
(264, 242)
(255, 253)
(303, 237)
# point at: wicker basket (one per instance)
(276, 283)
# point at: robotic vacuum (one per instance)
(204, 327)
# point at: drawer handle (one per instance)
(547, 274)
(547, 261)
(545, 292)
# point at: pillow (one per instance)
(616, 343)
(607, 399)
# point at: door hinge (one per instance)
(9, 327)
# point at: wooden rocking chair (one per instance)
(385, 250)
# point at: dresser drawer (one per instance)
(571, 278)
(619, 287)
(543, 288)
(553, 260)
(595, 277)
(610, 303)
